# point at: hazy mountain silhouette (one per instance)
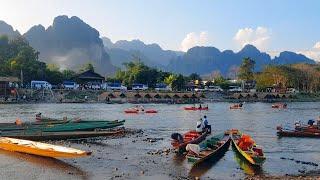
(70, 43)
(153, 53)
(205, 60)
(6, 29)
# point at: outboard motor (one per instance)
(178, 137)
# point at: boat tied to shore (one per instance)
(213, 148)
(40, 149)
(246, 147)
(180, 142)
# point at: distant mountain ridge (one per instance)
(70, 43)
(6, 29)
(152, 53)
(205, 60)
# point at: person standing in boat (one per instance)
(199, 127)
(206, 125)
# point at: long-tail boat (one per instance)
(40, 149)
(180, 142)
(44, 136)
(212, 148)
(247, 148)
(68, 126)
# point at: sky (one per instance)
(271, 25)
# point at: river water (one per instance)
(256, 119)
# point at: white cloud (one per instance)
(193, 39)
(313, 53)
(259, 37)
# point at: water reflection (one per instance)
(202, 168)
(248, 168)
(47, 163)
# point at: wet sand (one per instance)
(135, 155)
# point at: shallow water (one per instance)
(257, 119)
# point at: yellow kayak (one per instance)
(40, 149)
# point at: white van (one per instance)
(40, 85)
(235, 89)
(70, 85)
(139, 87)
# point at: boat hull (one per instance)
(214, 155)
(44, 136)
(40, 149)
(254, 160)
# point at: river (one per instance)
(256, 119)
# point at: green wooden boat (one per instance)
(254, 154)
(65, 126)
(213, 148)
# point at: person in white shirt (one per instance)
(199, 126)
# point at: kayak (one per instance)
(247, 148)
(279, 105)
(236, 106)
(134, 111)
(196, 109)
(40, 149)
(213, 148)
(191, 137)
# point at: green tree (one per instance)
(170, 79)
(179, 83)
(246, 71)
(86, 67)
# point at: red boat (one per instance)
(137, 111)
(191, 137)
(196, 108)
(279, 105)
(236, 106)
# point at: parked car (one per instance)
(114, 86)
(139, 87)
(162, 87)
(235, 89)
(40, 85)
(292, 90)
(215, 89)
(70, 85)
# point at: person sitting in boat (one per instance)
(311, 123)
(199, 127)
(142, 108)
(240, 104)
(207, 127)
(178, 137)
(200, 107)
(297, 125)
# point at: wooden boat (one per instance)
(212, 148)
(40, 149)
(70, 126)
(279, 105)
(44, 136)
(303, 131)
(191, 137)
(236, 106)
(243, 144)
(196, 108)
(137, 111)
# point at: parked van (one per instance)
(215, 89)
(139, 87)
(70, 85)
(114, 86)
(162, 87)
(235, 89)
(40, 85)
